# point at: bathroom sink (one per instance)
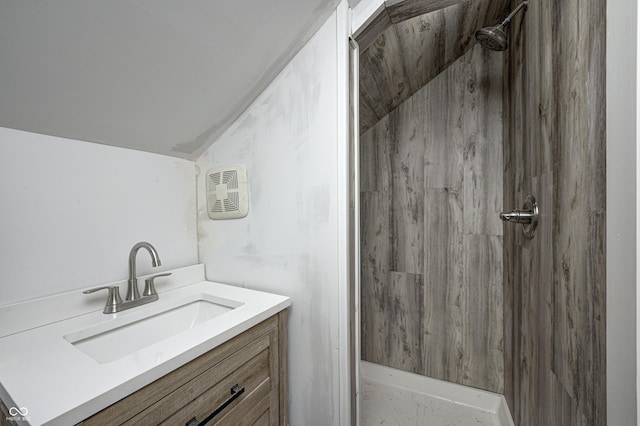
(108, 342)
(101, 358)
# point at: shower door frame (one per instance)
(354, 231)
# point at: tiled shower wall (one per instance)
(555, 116)
(431, 240)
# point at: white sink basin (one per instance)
(122, 339)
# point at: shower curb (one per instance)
(458, 395)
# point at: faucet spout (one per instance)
(132, 283)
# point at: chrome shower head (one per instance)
(495, 38)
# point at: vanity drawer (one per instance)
(253, 360)
(254, 408)
(250, 368)
(257, 409)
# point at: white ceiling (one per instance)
(160, 76)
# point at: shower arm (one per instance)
(508, 19)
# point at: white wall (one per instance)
(363, 13)
(70, 211)
(292, 140)
(622, 212)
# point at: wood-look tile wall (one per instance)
(401, 54)
(555, 150)
(431, 240)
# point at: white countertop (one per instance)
(59, 384)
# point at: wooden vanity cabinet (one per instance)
(255, 361)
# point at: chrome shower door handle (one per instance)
(528, 216)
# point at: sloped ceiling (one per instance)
(160, 76)
(405, 48)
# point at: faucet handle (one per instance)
(113, 299)
(149, 288)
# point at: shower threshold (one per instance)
(395, 397)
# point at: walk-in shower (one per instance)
(453, 301)
(431, 241)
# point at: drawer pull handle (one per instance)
(236, 391)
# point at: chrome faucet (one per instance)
(132, 282)
(528, 216)
(133, 299)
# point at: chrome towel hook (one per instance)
(528, 216)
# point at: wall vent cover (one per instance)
(227, 192)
